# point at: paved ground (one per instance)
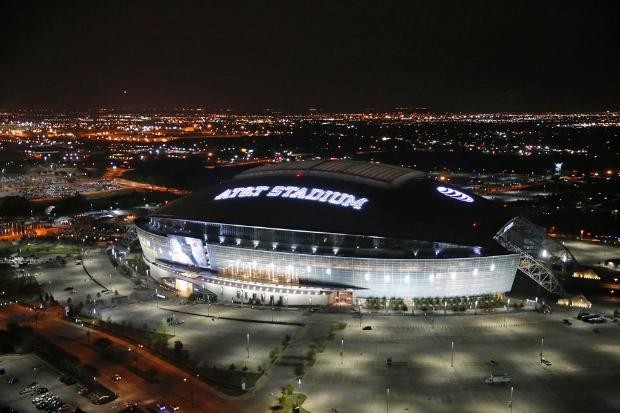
(169, 387)
(22, 367)
(591, 253)
(583, 375)
(57, 280)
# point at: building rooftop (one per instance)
(346, 197)
(370, 173)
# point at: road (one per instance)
(170, 388)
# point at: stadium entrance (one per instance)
(341, 298)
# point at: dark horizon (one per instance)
(474, 57)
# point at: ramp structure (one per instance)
(541, 257)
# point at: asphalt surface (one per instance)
(170, 388)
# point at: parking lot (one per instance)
(202, 336)
(580, 374)
(29, 369)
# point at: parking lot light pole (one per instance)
(34, 371)
(360, 309)
(542, 343)
(387, 400)
(510, 401)
(452, 358)
(248, 344)
(342, 351)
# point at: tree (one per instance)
(163, 326)
(69, 301)
(102, 343)
(98, 295)
(178, 346)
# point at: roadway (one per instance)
(170, 387)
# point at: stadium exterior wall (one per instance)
(301, 279)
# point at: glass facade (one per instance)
(371, 276)
(370, 266)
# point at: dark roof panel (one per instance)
(413, 209)
(372, 173)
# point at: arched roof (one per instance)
(346, 197)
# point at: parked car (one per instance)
(498, 379)
(103, 399)
(82, 391)
(582, 314)
(41, 390)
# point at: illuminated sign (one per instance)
(454, 194)
(295, 192)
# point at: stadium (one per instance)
(336, 232)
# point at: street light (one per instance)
(342, 351)
(191, 390)
(542, 343)
(452, 358)
(248, 344)
(360, 310)
(510, 401)
(387, 400)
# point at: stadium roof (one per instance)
(400, 203)
(370, 173)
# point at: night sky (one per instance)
(291, 56)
